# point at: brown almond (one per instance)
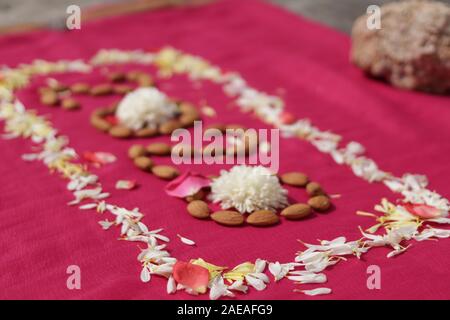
(235, 127)
(120, 132)
(211, 150)
(133, 75)
(144, 80)
(165, 172)
(320, 203)
(70, 104)
(122, 89)
(102, 112)
(117, 76)
(296, 179)
(50, 98)
(198, 209)
(43, 90)
(188, 119)
(187, 108)
(314, 189)
(228, 218)
(143, 163)
(183, 150)
(136, 151)
(146, 132)
(100, 123)
(169, 127)
(159, 149)
(217, 126)
(263, 218)
(80, 88)
(296, 211)
(199, 195)
(101, 89)
(58, 87)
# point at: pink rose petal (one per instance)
(112, 119)
(99, 158)
(287, 118)
(191, 276)
(186, 185)
(422, 210)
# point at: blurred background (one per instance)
(339, 14)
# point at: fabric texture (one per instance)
(403, 132)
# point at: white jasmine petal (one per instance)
(186, 241)
(171, 285)
(256, 283)
(145, 275)
(315, 292)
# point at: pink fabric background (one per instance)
(403, 132)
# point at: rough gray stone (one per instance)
(412, 48)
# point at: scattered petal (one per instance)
(186, 185)
(315, 292)
(186, 240)
(99, 158)
(125, 184)
(191, 276)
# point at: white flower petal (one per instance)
(315, 292)
(186, 240)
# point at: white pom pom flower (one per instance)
(145, 107)
(248, 189)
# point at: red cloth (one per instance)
(403, 132)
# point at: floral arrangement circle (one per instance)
(247, 194)
(413, 218)
(144, 112)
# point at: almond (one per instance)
(198, 209)
(320, 203)
(50, 98)
(58, 86)
(187, 108)
(143, 163)
(136, 151)
(70, 104)
(99, 123)
(165, 172)
(102, 112)
(212, 151)
(43, 90)
(101, 89)
(122, 89)
(263, 218)
(159, 149)
(228, 218)
(217, 126)
(144, 80)
(296, 211)
(133, 75)
(199, 195)
(120, 132)
(117, 76)
(169, 127)
(235, 127)
(183, 150)
(314, 189)
(80, 88)
(188, 119)
(296, 179)
(146, 132)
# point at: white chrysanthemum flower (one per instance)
(145, 107)
(248, 189)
